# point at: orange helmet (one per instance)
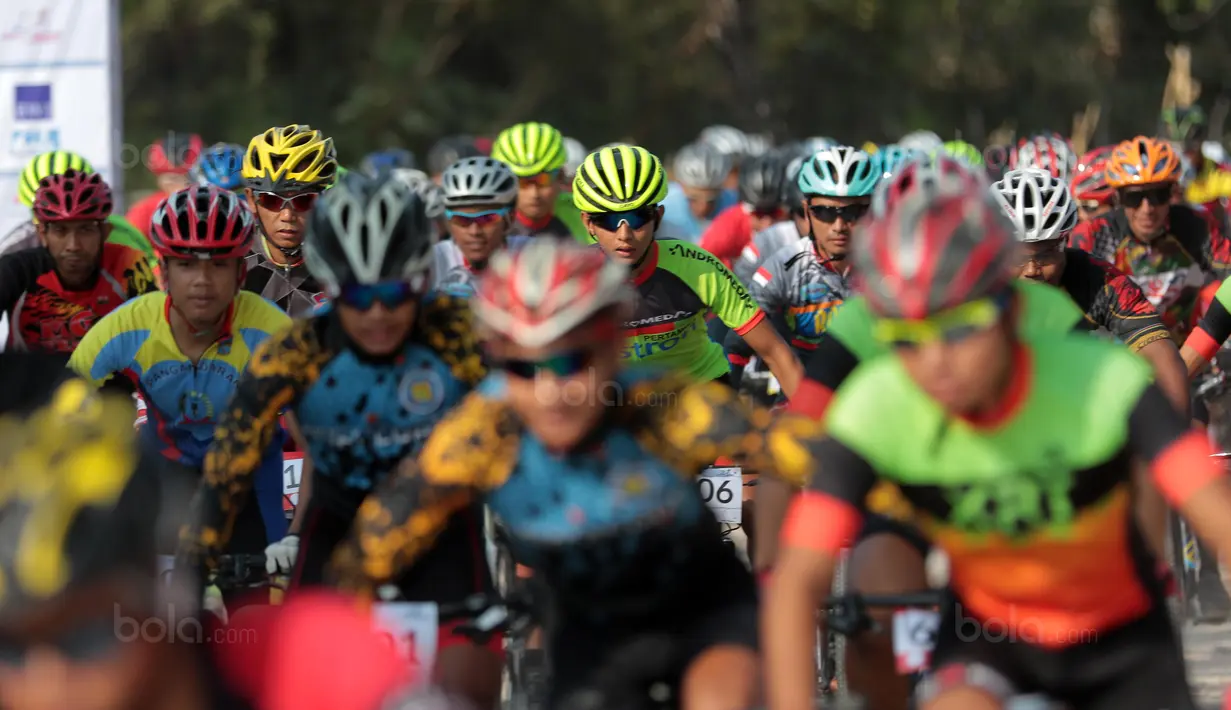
(1142, 161)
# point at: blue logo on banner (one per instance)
(32, 141)
(32, 103)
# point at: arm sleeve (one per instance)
(1121, 307)
(93, 360)
(1215, 325)
(447, 323)
(1179, 455)
(828, 514)
(18, 273)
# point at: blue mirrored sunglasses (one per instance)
(391, 294)
(636, 219)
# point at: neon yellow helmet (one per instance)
(963, 152)
(618, 179)
(530, 148)
(56, 162)
(870, 148)
(295, 157)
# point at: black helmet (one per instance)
(761, 181)
(448, 151)
(366, 230)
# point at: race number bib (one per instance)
(721, 488)
(914, 637)
(410, 628)
(292, 472)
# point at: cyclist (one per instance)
(595, 488)
(182, 350)
(1211, 182)
(965, 153)
(378, 161)
(761, 192)
(618, 190)
(696, 194)
(733, 143)
(25, 235)
(55, 293)
(1016, 452)
(285, 171)
(448, 151)
(774, 237)
(1043, 216)
(479, 194)
(921, 141)
(1051, 152)
(1211, 332)
(220, 165)
(535, 153)
(169, 159)
(1166, 249)
(367, 379)
(1094, 196)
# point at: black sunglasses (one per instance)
(829, 214)
(1156, 195)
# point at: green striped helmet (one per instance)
(55, 162)
(530, 148)
(618, 179)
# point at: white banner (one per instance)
(59, 89)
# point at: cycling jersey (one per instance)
(552, 226)
(1043, 485)
(763, 244)
(1170, 270)
(25, 236)
(681, 283)
(452, 274)
(729, 233)
(803, 287)
(1111, 301)
(44, 316)
(678, 221)
(292, 288)
(1215, 325)
(183, 399)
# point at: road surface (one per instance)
(1208, 650)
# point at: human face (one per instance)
(560, 391)
(202, 289)
(624, 243)
(67, 654)
(833, 219)
(761, 219)
(1088, 210)
(536, 194)
(76, 247)
(479, 231)
(378, 317)
(702, 201)
(1042, 261)
(1147, 208)
(283, 215)
(172, 182)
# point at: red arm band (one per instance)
(817, 521)
(811, 399)
(1185, 467)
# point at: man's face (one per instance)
(618, 238)
(202, 289)
(962, 375)
(1088, 210)
(702, 201)
(76, 246)
(283, 216)
(536, 194)
(172, 182)
(378, 318)
(833, 219)
(1042, 261)
(1147, 208)
(479, 231)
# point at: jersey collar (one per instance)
(228, 322)
(648, 265)
(536, 225)
(1021, 377)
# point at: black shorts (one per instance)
(876, 524)
(623, 659)
(453, 569)
(1137, 666)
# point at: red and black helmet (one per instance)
(938, 172)
(72, 195)
(934, 251)
(175, 154)
(202, 223)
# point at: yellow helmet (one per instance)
(530, 148)
(870, 148)
(294, 157)
(619, 178)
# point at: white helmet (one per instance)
(419, 182)
(478, 181)
(728, 140)
(759, 144)
(1213, 150)
(1039, 205)
(414, 179)
(1048, 152)
(701, 166)
(575, 155)
(921, 141)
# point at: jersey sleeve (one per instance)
(769, 284)
(102, 351)
(1178, 455)
(446, 324)
(1215, 325)
(716, 286)
(280, 370)
(828, 514)
(1083, 235)
(18, 273)
(1116, 303)
(472, 450)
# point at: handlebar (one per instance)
(847, 614)
(243, 571)
(489, 615)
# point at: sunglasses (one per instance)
(1089, 205)
(274, 202)
(635, 219)
(770, 212)
(830, 214)
(951, 326)
(92, 641)
(391, 294)
(541, 179)
(1156, 196)
(565, 364)
(465, 219)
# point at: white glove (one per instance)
(212, 603)
(281, 555)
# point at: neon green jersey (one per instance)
(681, 285)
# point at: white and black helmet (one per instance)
(1039, 205)
(365, 230)
(701, 166)
(478, 181)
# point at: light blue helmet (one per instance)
(841, 171)
(894, 156)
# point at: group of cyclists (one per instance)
(979, 364)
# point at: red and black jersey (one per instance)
(1111, 300)
(44, 316)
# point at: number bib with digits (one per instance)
(292, 471)
(411, 628)
(914, 637)
(721, 487)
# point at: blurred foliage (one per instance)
(375, 73)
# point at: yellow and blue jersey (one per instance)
(184, 399)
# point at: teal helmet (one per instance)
(841, 171)
(963, 152)
(894, 156)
